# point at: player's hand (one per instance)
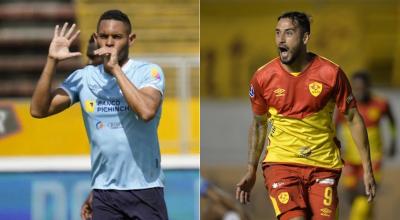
(86, 209)
(110, 58)
(370, 185)
(59, 46)
(243, 188)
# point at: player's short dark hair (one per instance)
(115, 15)
(362, 75)
(300, 18)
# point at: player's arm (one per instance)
(145, 101)
(360, 137)
(257, 136)
(46, 102)
(393, 132)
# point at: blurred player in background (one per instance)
(121, 105)
(219, 204)
(372, 109)
(93, 58)
(297, 93)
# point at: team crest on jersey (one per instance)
(283, 197)
(90, 105)
(251, 92)
(315, 88)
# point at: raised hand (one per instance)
(59, 46)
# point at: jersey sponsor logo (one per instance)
(99, 125)
(279, 92)
(111, 125)
(326, 212)
(304, 152)
(283, 197)
(114, 125)
(155, 74)
(327, 181)
(251, 92)
(315, 88)
(277, 185)
(113, 105)
(90, 105)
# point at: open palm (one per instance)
(59, 46)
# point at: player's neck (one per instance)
(300, 64)
(123, 62)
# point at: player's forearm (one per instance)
(139, 102)
(257, 135)
(360, 138)
(41, 97)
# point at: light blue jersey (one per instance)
(125, 152)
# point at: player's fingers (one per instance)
(56, 31)
(71, 29)
(63, 29)
(237, 192)
(103, 53)
(368, 191)
(75, 35)
(83, 213)
(246, 197)
(371, 193)
(242, 197)
(75, 54)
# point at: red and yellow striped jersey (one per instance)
(372, 112)
(300, 110)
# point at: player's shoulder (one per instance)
(267, 69)
(325, 69)
(326, 64)
(144, 65)
(379, 99)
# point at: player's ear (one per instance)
(132, 38)
(95, 36)
(306, 36)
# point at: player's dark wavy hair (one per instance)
(362, 75)
(299, 18)
(115, 15)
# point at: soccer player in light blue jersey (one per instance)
(121, 106)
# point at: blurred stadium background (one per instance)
(44, 164)
(237, 37)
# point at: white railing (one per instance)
(183, 65)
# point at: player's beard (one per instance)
(123, 56)
(290, 58)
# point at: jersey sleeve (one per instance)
(343, 94)
(72, 85)
(258, 102)
(153, 77)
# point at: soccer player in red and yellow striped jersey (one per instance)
(296, 94)
(372, 109)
